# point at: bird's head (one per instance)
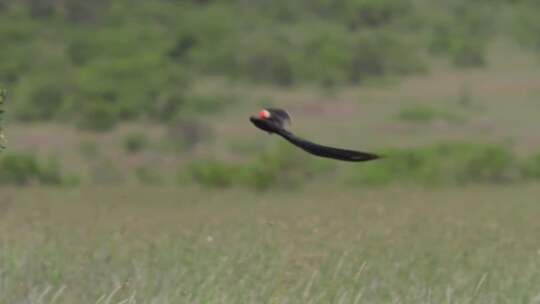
(271, 119)
(264, 114)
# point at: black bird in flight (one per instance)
(273, 120)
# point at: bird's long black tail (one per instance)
(325, 151)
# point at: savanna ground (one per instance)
(320, 245)
(125, 242)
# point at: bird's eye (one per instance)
(264, 114)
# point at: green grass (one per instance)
(326, 245)
(114, 240)
(423, 114)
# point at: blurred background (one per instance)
(131, 167)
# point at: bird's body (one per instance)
(273, 120)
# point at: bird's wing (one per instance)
(280, 115)
(325, 151)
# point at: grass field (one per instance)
(113, 239)
(322, 245)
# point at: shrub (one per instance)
(448, 163)
(23, 168)
(375, 13)
(212, 173)
(97, 117)
(135, 142)
(50, 173)
(382, 53)
(43, 101)
(526, 25)
(19, 169)
(531, 166)
(464, 49)
(418, 113)
(426, 114)
(258, 175)
(324, 53)
(325, 56)
(452, 163)
(272, 168)
(489, 164)
(468, 53)
(283, 166)
(464, 33)
(266, 59)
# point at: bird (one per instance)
(273, 120)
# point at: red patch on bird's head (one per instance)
(264, 114)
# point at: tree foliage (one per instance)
(97, 62)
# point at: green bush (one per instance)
(526, 25)
(213, 173)
(325, 56)
(468, 53)
(135, 142)
(531, 166)
(23, 168)
(325, 53)
(107, 76)
(463, 34)
(463, 48)
(273, 168)
(449, 163)
(97, 117)
(418, 113)
(19, 169)
(427, 114)
(382, 53)
(283, 167)
(44, 101)
(258, 175)
(50, 173)
(265, 59)
(375, 13)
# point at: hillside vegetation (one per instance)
(94, 63)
